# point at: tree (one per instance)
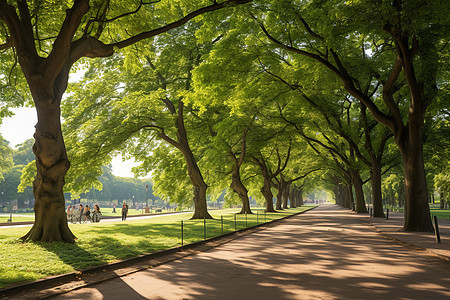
(6, 158)
(410, 45)
(238, 156)
(150, 107)
(46, 55)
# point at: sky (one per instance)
(20, 127)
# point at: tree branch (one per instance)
(388, 91)
(243, 147)
(62, 46)
(341, 73)
(185, 19)
(92, 47)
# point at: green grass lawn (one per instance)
(24, 217)
(441, 213)
(4, 219)
(101, 243)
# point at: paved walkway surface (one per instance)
(327, 253)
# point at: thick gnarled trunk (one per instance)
(199, 185)
(200, 207)
(52, 165)
(268, 196)
(236, 183)
(238, 187)
(195, 175)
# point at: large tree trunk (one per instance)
(195, 175)
(238, 187)
(417, 210)
(200, 207)
(377, 198)
(285, 197)
(293, 196)
(359, 194)
(300, 197)
(279, 201)
(350, 200)
(199, 186)
(268, 196)
(338, 195)
(289, 196)
(52, 165)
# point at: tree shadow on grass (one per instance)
(99, 246)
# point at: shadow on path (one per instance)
(323, 254)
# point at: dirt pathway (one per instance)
(323, 254)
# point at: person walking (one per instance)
(124, 211)
(81, 212)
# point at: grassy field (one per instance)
(24, 217)
(101, 243)
(15, 218)
(441, 213)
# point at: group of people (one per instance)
(84, 213)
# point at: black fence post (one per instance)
(264, 217)
(371, 212)
(436, 230)
(387, 213)
(221, 220)
(257, 217)
(182, 236)
(234, 222)
(204, 229)
(246, 220)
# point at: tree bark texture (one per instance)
(417, 210)
(279, 201)
(268, 196)
(360, 204)
(199, 185)
(52, 165)
(300, 197)
(236, 182)
(350, 198)
(377, 198)
(289, 196)
(267, 183)
(238, 187)
(338, 195)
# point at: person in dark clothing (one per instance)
(124, 211)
